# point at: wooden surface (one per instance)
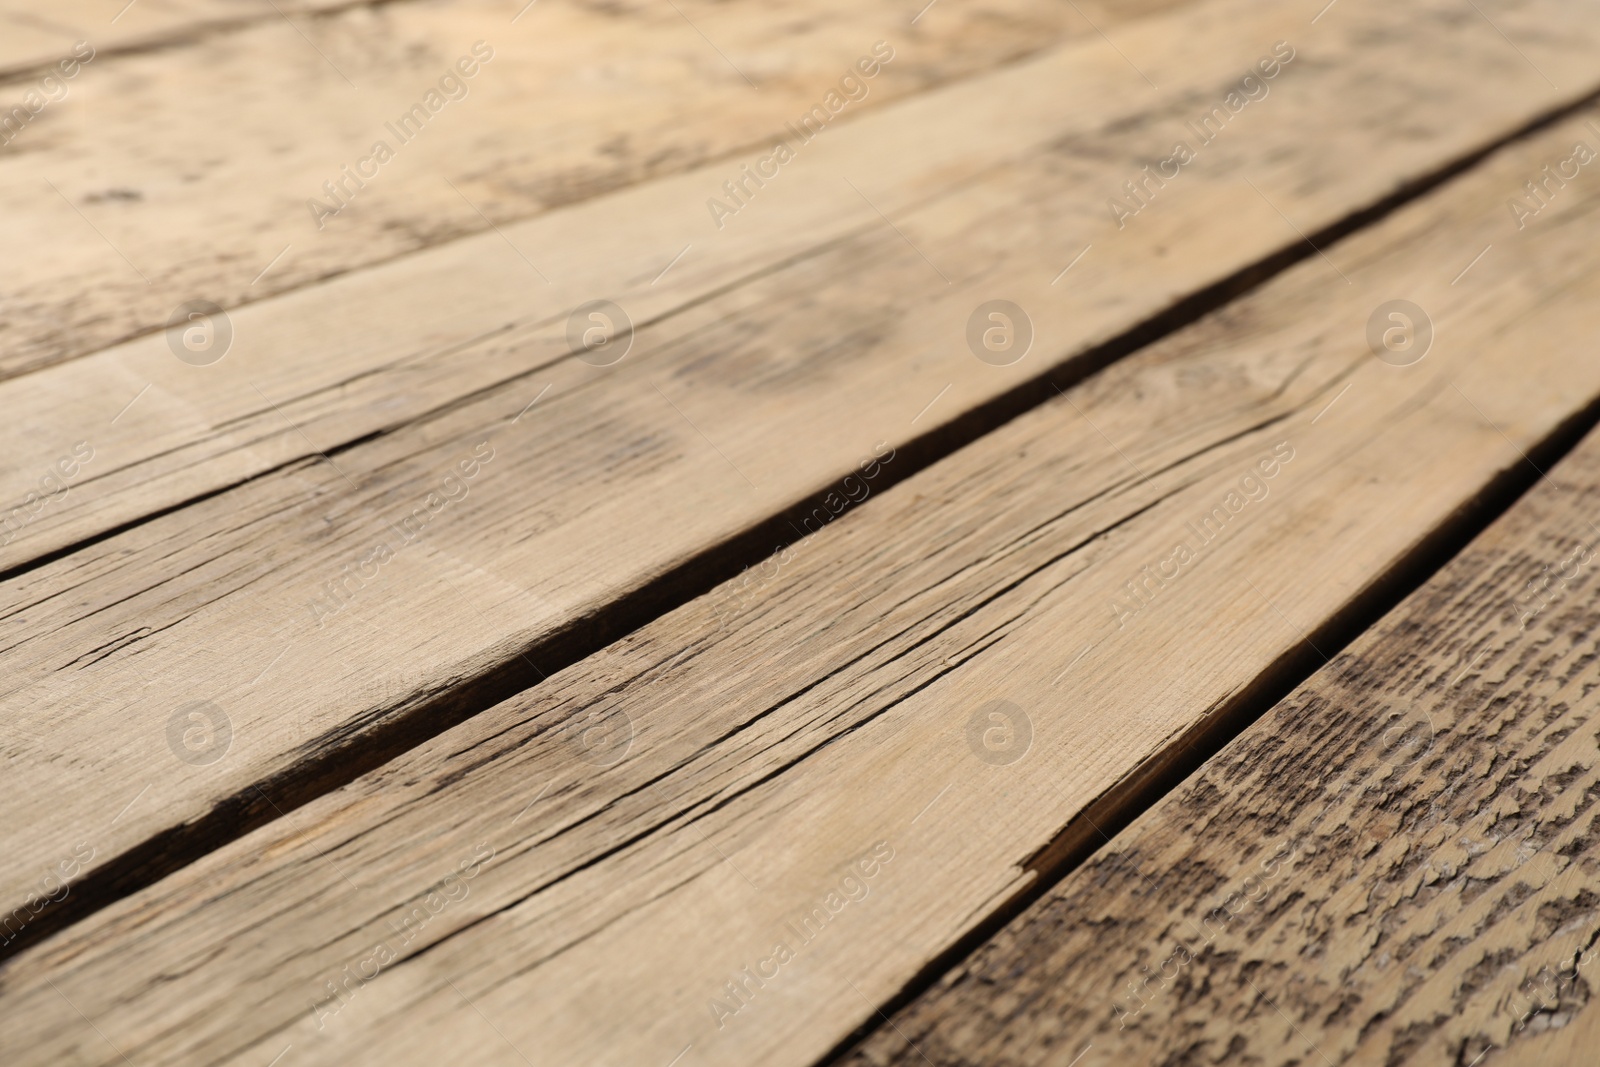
(730, 411)
(1397, 864)
(614, 892)
(406, 683)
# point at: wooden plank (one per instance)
(598, 859)
(728, 413)
(1397, 864)
(125, 227)
(372, 351)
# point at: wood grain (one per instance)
(589, 901)
(1044, 142)
(183, 172)
(1397, 864)
(293, 602)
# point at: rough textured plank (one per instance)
(195, 201)
(727, 412)
(1396, 865)
(374, 350)
(596, 860)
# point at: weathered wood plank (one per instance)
(598, 859)
(1397, 864)
(254, 117)
(371, 351)
(291, 602)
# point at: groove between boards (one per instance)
(365, 744)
